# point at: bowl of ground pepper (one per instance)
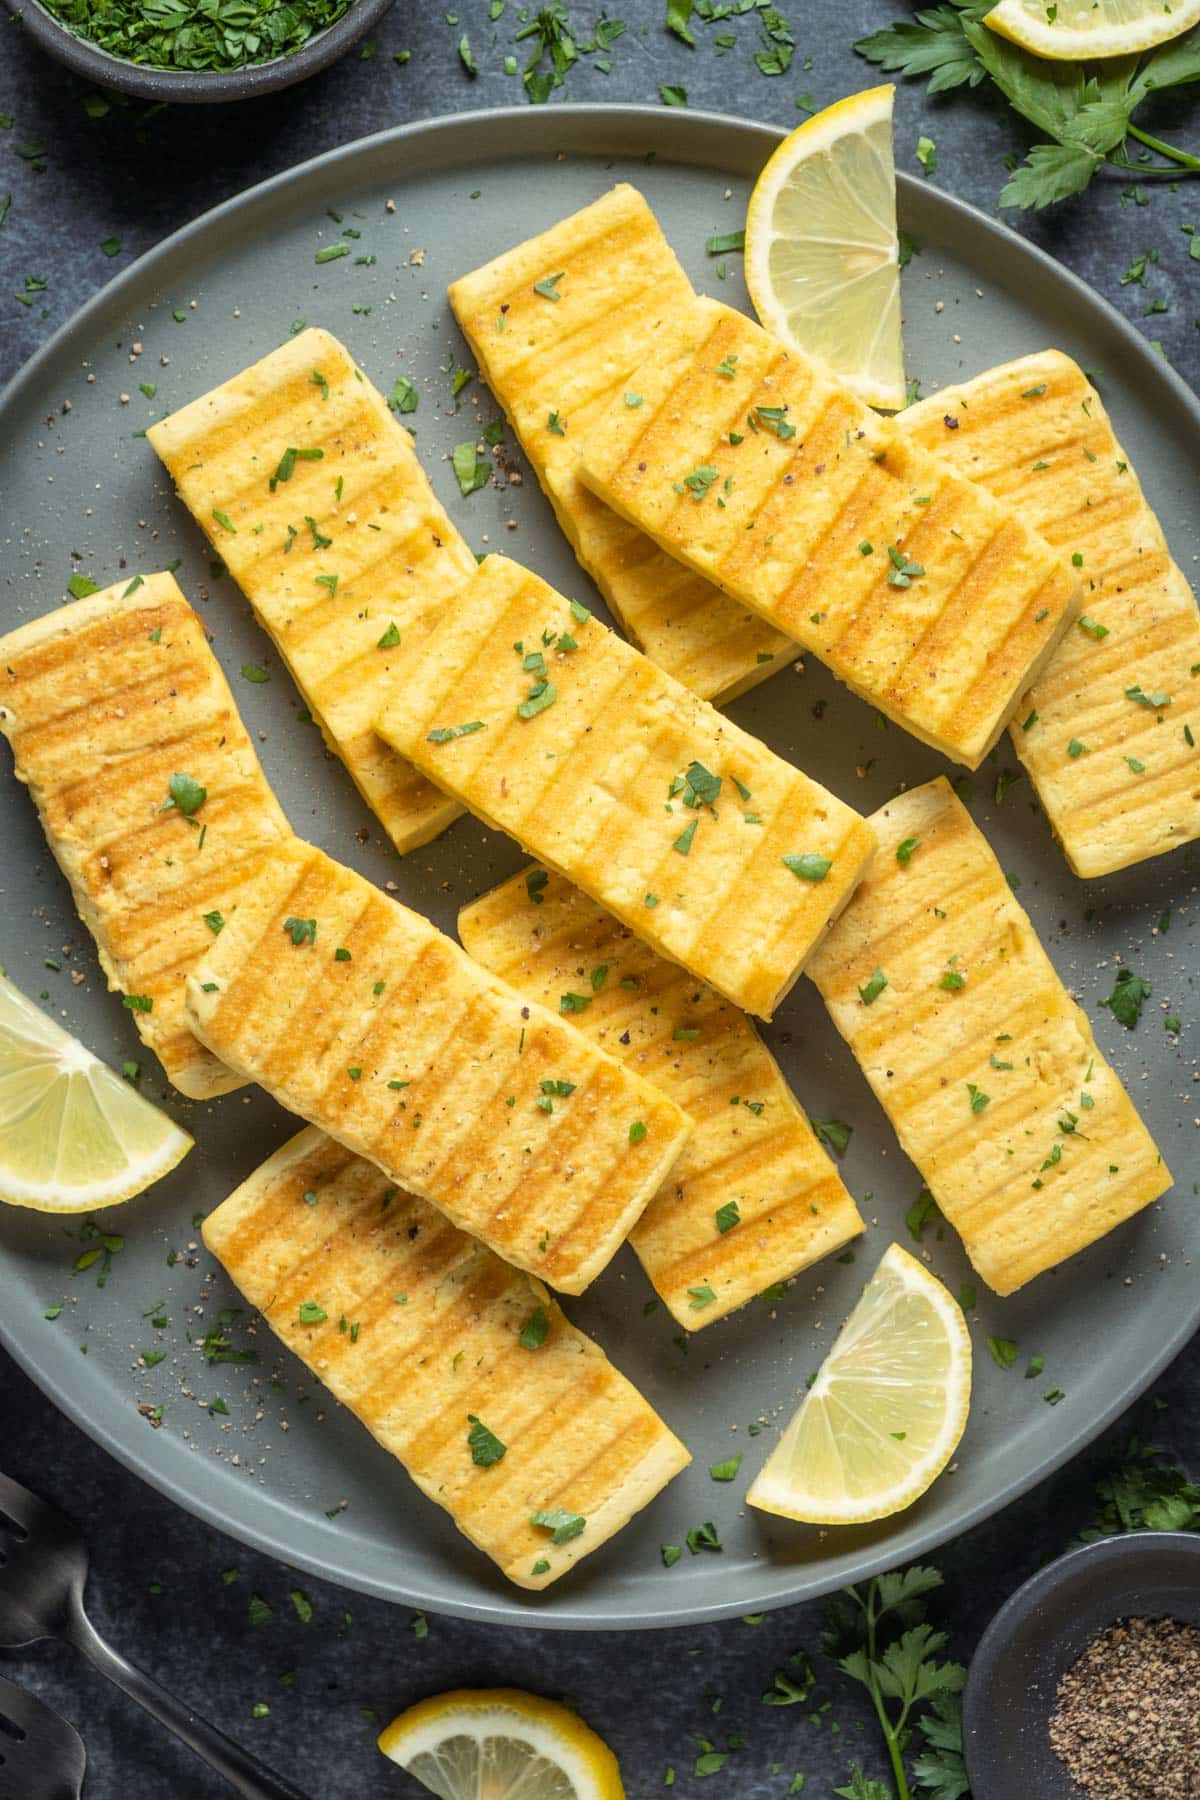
(196, 50)
(1087, 1681)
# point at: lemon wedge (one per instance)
(73, 1135)
(822, 251)
(1072, 30)
(486, 1743)
(886, 1411)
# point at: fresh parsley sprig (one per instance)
(879, 1635)
(1087, 113)
(1144, 1494)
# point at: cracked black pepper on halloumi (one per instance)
(753, 1198)
(1108, 731)
(716, 852)
(311, 493)
(113, 705)
(555, 353)
(927, 597)
(424, 1334)
(366, 1020)
(986, 1067)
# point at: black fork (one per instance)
(43, 1569)
(41, 1756)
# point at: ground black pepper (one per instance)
(1127, 1722)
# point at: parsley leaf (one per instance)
(834, 1133)
(933, 46)
(1127, 997)
(535, 1330)
(485, 1447)
(562, 1525)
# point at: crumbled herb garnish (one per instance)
(473, 471)
(1127, 997)
(535, 1330)
(403, 397)
(442, 734)
(1155, 701)
(485, 1447)
(903, 571)
(771, 418)
(728, 1216)
(185, 793)
(561, 1524)
(703, 1537)
(808, 866)
(833, 1132)
(873, 988)
(542, 694)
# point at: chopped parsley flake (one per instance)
(561, 1524)
(485, 1447)
(808, 866)
(871, 992)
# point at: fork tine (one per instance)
(41, 1755)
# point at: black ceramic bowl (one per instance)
(1037, 1635)
(194, 86)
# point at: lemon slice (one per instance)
(492, 1743)
(1074, 29)
(887, 1408)
(822, 254)
(73, 1135)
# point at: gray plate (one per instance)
(82, 490)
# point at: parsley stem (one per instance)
(1163, 148)
(891, 1734)
(1181, 157)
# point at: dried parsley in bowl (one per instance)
(197, 35)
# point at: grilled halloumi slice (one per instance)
(986, 1067)
(921, 592)
(1118, 775)
(103, 702)
(363, 1018)
(549, 726)
(754, 1198)
(557, 325)
(311, 493)
(424, 1333)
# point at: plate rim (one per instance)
(801, 1580)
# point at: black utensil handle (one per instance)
(244, 1773)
